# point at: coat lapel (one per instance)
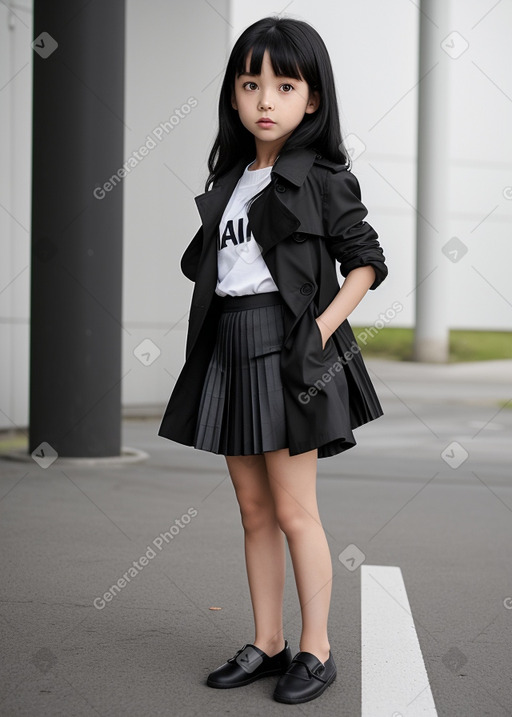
(270, 219)
(211, 206)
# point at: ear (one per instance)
(233, 101)
(313, 102)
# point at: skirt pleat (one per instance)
(241, 411)
(258, 408)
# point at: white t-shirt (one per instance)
(240, 265)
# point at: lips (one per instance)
(265, 121)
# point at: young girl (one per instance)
(273, 377)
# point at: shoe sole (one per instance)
(289, 701)
(246, 682)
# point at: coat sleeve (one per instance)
(190, 258)
(350, 239)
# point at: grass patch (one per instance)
(12, 440)
(397, 344)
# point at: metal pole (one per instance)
(76, 272)
(431, 337)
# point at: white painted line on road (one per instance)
(394, 681)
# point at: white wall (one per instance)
(374, 51)
(178, 50)
(175, 51)
(15, 208)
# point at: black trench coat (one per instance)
(309, 215)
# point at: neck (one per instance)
(267, 153)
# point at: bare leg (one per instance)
(264, 549)
(292, 481)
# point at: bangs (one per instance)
(296, 51)
(284, 57)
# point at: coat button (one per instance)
(306, 289)
(299, 236)
(318, 156)
(280, 188)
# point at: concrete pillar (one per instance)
(76, 270)
(431, 337)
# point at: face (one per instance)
(281, 100)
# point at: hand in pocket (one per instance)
(323, 331)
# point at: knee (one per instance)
(256, 514)
(293, 520)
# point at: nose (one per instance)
(265, 104)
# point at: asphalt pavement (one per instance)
(109, 571)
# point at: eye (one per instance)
(287, 88)
(245, 85)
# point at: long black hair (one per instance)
(296, 50)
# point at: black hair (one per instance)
(296, 50)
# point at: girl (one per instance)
(273, 377)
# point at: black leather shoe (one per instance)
(249, 664)
(305, 679)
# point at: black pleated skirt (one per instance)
(241, 410)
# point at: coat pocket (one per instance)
(330, 347)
